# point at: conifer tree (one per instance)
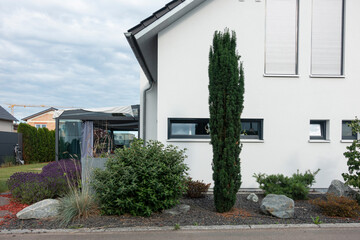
(226, 91)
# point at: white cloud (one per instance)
(69, 52)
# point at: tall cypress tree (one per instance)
(226, 91)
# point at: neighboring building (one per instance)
(6, 121)
(301, 81)
(43, 119)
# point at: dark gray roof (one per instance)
(39, 113)
(5, 115)
(155, 16)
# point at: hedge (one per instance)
(38, 144)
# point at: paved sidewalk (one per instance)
(298, 232)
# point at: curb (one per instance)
(185, 228)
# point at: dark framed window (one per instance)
(346, 131)
(200, 128)
(317, 129)
(188, 128)
(251, 129)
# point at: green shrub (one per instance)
(141, 179)
(295, 187)
(353, 155)
(195, 189)
(38, 144)
(336, 206)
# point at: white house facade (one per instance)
(302, 83)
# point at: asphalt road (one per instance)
(245, 234)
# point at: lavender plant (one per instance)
(50, 183)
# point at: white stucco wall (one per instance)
(6, 126)
(285, 104)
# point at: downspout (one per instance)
(139, 56)
(151, 84)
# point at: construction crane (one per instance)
(11, 106)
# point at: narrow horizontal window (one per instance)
(252, 129)
(188, 128)
(347, 133)
(327, 37)
(318, 129)
(281, 41)
(200, 128)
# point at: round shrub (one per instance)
(141, 179)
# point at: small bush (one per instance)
(29, 188)
(336, 206)
(353, 158)
(295, 187)
(195, 189)
(8, 161)
(141, 179)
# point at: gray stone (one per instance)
(253, 197)
(43, 209)
(278, 206)
(339, 189)
(178, 209)
(4, 201)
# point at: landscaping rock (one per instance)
(340, 189)
(43, 209)
(179, 209)
(4, 201)
(278, 206)
(253, 197)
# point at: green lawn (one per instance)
(6, 172)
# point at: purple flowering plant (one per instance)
(54, 181)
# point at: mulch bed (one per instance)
(202, 213)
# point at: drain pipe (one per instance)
(151, 84)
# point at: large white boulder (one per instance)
(43, 209)
(278, 206)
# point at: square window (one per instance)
(252, 129)
(346, 131)
(318, 129)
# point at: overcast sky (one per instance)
(69, 52)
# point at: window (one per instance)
(347, 133)
(40, 125)
(200, 128)
(251, 129)
(327, 37)
(188, 128)
(318, 130)
(281, 54)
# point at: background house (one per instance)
(42, 119)
(301, 81)
(6, 121)
(8, 138)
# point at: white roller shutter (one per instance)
(281, 37)
(327, 37)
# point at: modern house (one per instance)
(6, 121)
(301, 81)
(43, 119)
